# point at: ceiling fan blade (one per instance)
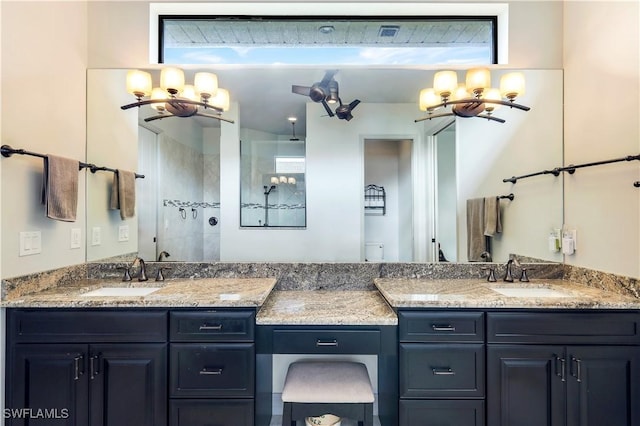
(328, 76)
(326, 107)
(354, 104)
(300, 90)
(349, 116)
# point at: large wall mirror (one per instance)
(202, 199)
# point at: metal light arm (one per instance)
(172, 101)
(450, 114)
(161, 116)
(510, 104)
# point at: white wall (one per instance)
(446, 222)
(44, 62)
(602, 94)
(528, 142)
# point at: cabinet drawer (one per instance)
(212, 326)
(86, 325)
(212, 370)
(441, 370)
(198, 412)
(420, 326)
(563, 328)
(326, 341)
(441, 413)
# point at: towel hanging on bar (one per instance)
(60, 188)
(123, 193)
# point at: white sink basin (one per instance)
(121, 291)
(529, 292)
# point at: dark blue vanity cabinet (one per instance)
(212, 368)
(563, 368)
(442, 368)
(81, 367)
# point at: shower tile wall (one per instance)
(211, 194)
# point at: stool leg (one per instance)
(286, 415)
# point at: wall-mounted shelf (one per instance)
(375, 199)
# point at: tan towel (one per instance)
(123, 193)
(475, 229)
(60, 188)
(492, 221)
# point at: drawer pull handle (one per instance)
(440, 327)
(210, 371)
(327, 343)
(443, 372)
(77, 372)
(206, 327)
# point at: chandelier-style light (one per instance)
(474, 98)
(174, 98)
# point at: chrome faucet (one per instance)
(163, 254)
(142, 275)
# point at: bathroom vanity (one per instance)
(453, 352)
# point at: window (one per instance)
(305, 40)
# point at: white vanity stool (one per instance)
(314, 388)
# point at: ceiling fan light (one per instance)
(332, 97)
(206, 84)
(158, 93)
(493, 94)
(445, 83)
(172, 80)
(478, 79)
(221, 100)
(428, 99)
(512, 85)
(138, 83)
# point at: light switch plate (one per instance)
(76, 238)
(123, 233)
(30, 243)
(95, 236)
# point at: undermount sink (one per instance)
(121, 291)
(529, 292)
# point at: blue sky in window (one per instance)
(328, 55)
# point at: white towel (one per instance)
(60, 188)
(123, 193)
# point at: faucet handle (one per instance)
(524, 277)
(127, 273)
(492, 274)
(508, 274)
(160, 275)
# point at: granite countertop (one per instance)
(472, 293)
(205, 292)
(326, 307)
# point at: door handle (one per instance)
(562, 370)
(206, 371)
(446, 371)
(442, 327)
(93, 366)
(78, 367)
(578, 370)
(333, 342)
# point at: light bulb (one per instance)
(478, 79)
(428, 99)
(139, 83)
(493, 94)
(206, 84)
(460, 93)
(172, 80)
(512, 85)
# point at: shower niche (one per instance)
(272, 184)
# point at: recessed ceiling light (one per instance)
(326, 29)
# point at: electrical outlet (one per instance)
(123, 233)
(95, 236)
(30, 243)
(76, 237)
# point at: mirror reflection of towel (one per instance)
(123, 193)
(475, 229)
(492, 220)
(60, 188)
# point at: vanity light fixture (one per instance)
(475, 98)
(174, 98)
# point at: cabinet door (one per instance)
(128, 384)
(525, 385)
(47, 385)
(603, 387)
